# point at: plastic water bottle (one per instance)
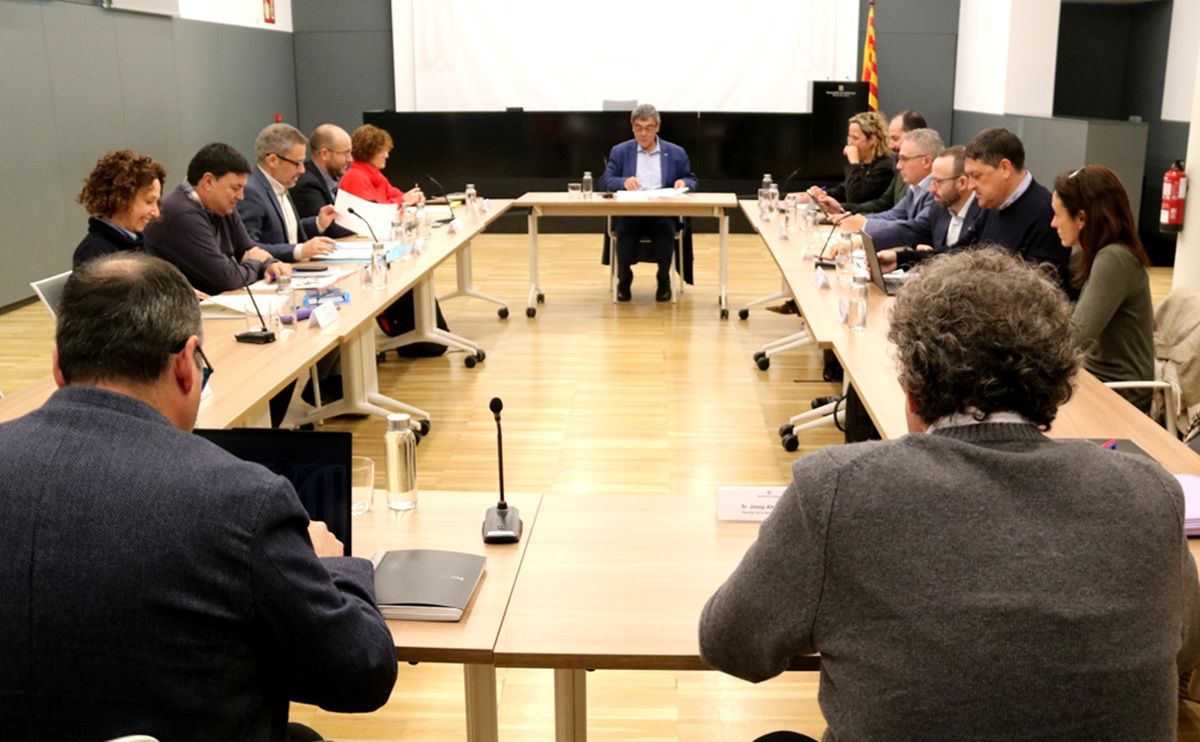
(400, 447)
(471, 196)
(587, 185)
(398, 225)
(379, 266)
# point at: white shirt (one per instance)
(1021, 188)
(291, 224)
(649, 168)
(956, 221)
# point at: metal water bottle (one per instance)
(400, 448)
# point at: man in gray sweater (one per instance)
(976, 579)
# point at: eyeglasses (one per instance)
(904, 158)
(939, 181)
(206, 369)
(297, 163)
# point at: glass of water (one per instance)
(844, 264)
(362, 485)
(857, 316)
(574, 191)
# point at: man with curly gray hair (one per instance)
(974, 579)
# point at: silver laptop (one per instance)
(888, 284)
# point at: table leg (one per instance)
(535, 291)
(360, 384)
(724, 250)
(480, 685)
(425, 326)
(466, 283)
(570, 705)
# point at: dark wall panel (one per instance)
(343, 15)
(1093, 56)
(340, 74)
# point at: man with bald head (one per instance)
(317, 186)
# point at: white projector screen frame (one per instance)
(562, 55)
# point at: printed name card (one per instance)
(324, 315)
(455, 226)
(820, 279)
(751, 504)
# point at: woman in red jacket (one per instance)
(370, 147)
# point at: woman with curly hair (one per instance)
(869, 166)
(370, 147)
(121, 194)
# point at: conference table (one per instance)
(246, 376)
(699, 204)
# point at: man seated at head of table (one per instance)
(1016, 208)
(914, 164)
(271, 218)
(903, 244)
(646, 163)
(329, 156)
(974, 579)
(154, 583)
(200, 231)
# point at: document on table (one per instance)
(652, 195)
(236, 306)
(379, 216)
(1191, 503)
(360, 252)
(302, 281)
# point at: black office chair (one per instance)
(645, 254)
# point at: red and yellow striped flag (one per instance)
(870, 73)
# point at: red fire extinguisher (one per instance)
(1174, 195)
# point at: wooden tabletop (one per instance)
(558, 203)
(618, 581)
(452, 521)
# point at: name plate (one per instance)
(455, 226)
(820, 280)
(324, 315)
(752, 504)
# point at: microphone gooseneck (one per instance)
(446, 196)
(261, 335)
(495, 406)
(364, 221)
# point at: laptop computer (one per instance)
(317, 463)
(889, 284)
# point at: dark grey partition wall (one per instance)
(80, 80)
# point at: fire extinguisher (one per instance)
(1174, 195)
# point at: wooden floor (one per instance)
(598, 398)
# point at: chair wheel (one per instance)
(380, 357)
(763, 362)
(424, 426)
(759, 354)
(541, 298)
(417, 437)
(790, 443)
(743, 313)
(470, 361)
(480, 355)
(786, 430)
(502, 312)
(531, 312)
(724, 313)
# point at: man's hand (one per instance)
(316, 246)
(632, 184)
(680, 184)
(275, 270)
(257, 253)
(414, 196)
(325, 544)
(851, 153)
(325, 217)
(887, 260)
(201, 295)
(830, 203)
(851, 223)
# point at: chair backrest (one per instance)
(49, 290)
(1177, 348)
(618, 105)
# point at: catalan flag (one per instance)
(870, 74)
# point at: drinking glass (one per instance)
(857, 316)
(362, 485)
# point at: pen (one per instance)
(1110, 444)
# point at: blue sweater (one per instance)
(1024, 228)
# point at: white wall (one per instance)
(1007, 52)
(238, 13)
(469, 55)
(1179, 83)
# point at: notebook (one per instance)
(426, 584)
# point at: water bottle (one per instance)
(772, 201)
(400, 448)
(587, 185)
(379, 266)
(398, 225)
(764, 197)
(409, 226)
(472, 199)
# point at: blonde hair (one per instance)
(874, 128)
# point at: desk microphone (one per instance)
(788, 179)
(501, 524)
(445, 195)
(262, 335)
(364, 221)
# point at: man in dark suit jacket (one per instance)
(646, 162)
(317, 186)
(154, 583)
(268, 212)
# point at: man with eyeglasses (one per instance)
(914, 163)
(271, 218)
(153, 582)
(317, 187)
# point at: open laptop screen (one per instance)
(316, 463)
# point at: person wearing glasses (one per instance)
(1113, 321)
(271, 218)
(329, 157)
(121, 194)
(914, 163)
(154, 582)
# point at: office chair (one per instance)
(618, 105)
(49, 290)
(644, 255)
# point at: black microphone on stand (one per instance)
(449, 205)
(364, 221)
(788, 179)
(262, 335)
(501, 524)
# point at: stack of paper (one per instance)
(237, 306)
(651, 195)
(304, 280)
(1191, 503)
(378, 216)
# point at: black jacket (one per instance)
(311, 193)
(103, 238)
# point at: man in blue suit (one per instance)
(153, 582)
(644, 163)
(268, 212)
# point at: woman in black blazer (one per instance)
(122, 194)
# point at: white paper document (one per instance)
(302, 281)
(651, 195)
(237, 306)
(379, 216)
